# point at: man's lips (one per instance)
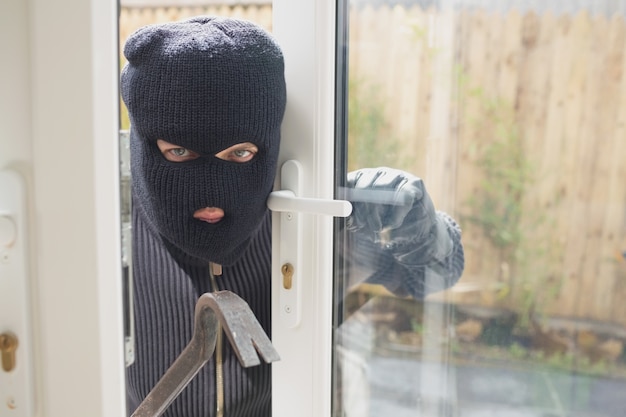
(209, 214)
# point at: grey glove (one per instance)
(393, 209)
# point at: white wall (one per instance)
(58, 122)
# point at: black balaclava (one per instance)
(204, 84)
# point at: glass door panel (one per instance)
(513, 114)
(134, 14)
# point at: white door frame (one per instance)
(305, 29)
(59, 122)
(61, 139)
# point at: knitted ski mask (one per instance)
(204, 84)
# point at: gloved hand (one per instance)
(393, 209)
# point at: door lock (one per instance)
(16, 363)
(287, 271)
(289, 204)
(8, 346)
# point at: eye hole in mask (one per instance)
(239, 153)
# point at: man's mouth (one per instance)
(209, 214)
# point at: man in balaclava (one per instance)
(203, 87)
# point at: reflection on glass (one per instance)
(514, 114)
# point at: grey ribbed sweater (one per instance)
(166, 291)
(167, 286)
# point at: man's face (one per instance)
(239, 153)
(206, 97)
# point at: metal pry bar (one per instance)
(243, 330)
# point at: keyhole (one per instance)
(287, 271)
(8, 346)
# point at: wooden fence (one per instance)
(132, 18)
(533, 104)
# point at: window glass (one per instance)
(134, 14)
(513, 113)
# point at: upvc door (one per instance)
(302, 315)
(512, 113)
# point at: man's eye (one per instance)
(178, 151)
(240, 153)
(175, 153)
(180, 155)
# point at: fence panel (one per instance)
(556, 83)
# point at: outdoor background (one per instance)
(516, 118)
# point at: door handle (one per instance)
(289, 204)
(288, 201)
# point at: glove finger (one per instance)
(397, 210)
(379, 198)
(387, 178)
(382, 198)
(379, 212)
(366, 201)
(374, 217)
(408, 193)
(420, 219)
(365, 216)
(363, 178)
(358, 216)
(413, 189)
